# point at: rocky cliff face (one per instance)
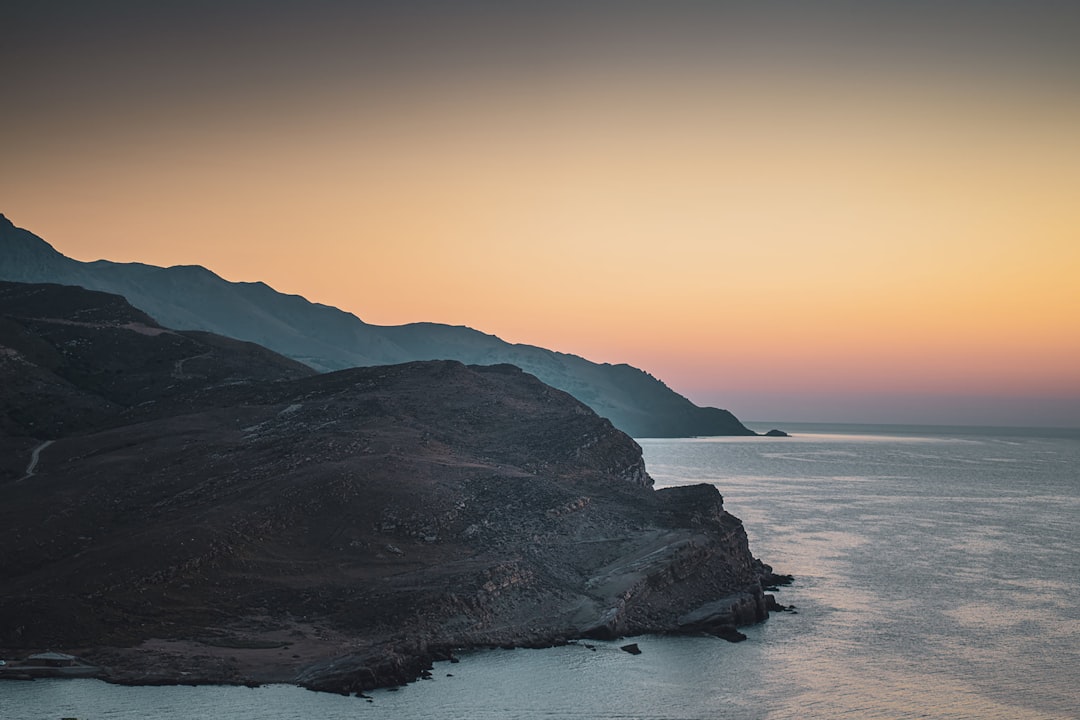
(336, 530)
(325, 338)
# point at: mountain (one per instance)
(326, 338)
(73, 359)
(212, 512)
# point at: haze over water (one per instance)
(936, 576)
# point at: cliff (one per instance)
(218, 513)
(326, 338)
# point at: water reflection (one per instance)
(931, 582)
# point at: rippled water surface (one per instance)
(937, 576)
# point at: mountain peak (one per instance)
(26, 257)
(6, 225)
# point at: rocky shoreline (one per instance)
(242, 662)
(183, 508)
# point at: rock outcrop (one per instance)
(216, 513)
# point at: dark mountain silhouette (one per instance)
(182, 507)
(73, 359)
(326, 338)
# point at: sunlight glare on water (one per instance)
(936, 577)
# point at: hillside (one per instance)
(335, 530)
(326, 338)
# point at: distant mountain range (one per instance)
(190, 297)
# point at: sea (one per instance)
(937, 575)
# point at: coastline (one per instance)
(319, 658)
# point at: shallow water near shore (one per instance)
(936, 577)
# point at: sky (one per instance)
(862, 211)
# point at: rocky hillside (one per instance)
(73, 359)
(217, 513)
(325, 338)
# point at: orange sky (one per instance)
(734, 222)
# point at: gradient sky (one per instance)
(835, 211)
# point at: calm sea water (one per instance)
(938, 576)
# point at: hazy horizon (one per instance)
(850, 212)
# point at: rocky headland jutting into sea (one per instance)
(208, 511)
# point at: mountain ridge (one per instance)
(222, 514)
(192, 297)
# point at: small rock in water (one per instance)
(772, 606)
(728, 633)
(632, 648)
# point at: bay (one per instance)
(936, 576)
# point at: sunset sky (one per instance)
(835, 211)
